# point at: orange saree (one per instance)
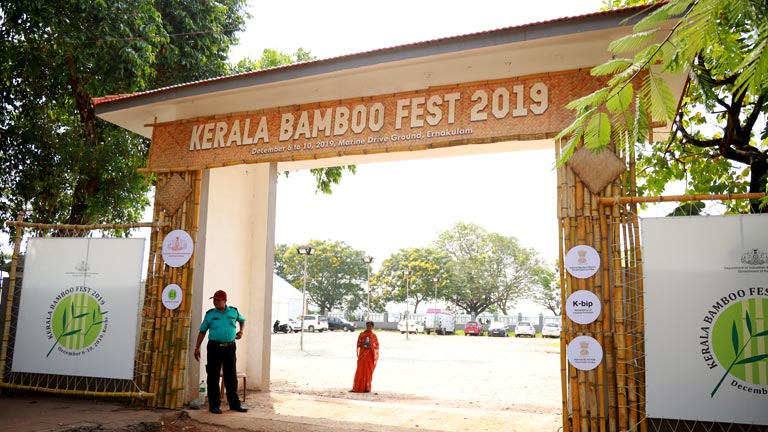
(366, 361)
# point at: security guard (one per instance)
(220, 320)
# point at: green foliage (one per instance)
(61, 164)
(717, 145)
(486, 269)
(466, 266)
(546, 290)
(336, 274)
(425, 265)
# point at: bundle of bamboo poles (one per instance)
(611, 396)
(163, 351)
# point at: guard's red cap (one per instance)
(220, 295)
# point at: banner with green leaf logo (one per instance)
(79, 307)
(706, 318)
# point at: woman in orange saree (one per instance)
(367, 357)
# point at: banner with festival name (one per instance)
(79, 307)
(706, 315)
(515, 109)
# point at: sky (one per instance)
(386, 207)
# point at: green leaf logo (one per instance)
(739, 342)
(76, 322)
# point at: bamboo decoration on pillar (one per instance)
(609, 397)
(165, 333)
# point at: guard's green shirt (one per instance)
(221, 325)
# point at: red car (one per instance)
(473, 328)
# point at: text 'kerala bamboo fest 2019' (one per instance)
(515, 109)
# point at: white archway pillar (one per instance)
(235, 252)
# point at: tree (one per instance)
(514, 270)
(716, 145)
(486, 269)
(335, 274)
(61, 163)
(547, 291)
(425, 264)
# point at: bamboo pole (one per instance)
(136, 395)
(11, 294)
(45, 227)
(607, 201)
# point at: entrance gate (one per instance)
(218, 145)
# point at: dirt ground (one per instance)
(486, 383)
(425, 383)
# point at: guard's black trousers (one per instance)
(221, 355)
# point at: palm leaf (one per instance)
(573, 127)
(611, 67)
(633, 41)
(568, 149)
(597, 97)
(661, 101)
(620, 101)
(652, 20)
(597, 135)
(627, 74)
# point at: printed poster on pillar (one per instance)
(706, 317)
(79, 307)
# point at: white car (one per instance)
(294, 324)
(550, 330)
(525, 328)
(412, 325)
(313, 323)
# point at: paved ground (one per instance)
(424, 383)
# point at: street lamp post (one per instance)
(368, 260)
(407, 273)
(306, 251)
(434, 309)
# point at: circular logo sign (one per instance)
(77, 322)
(583, 307)
(172, 296)
(738, 340)
(584, 353)
(177, 248)
(582, 261)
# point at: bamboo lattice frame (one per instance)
(161, 358)
(57, 384)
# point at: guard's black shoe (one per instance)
(215, 410)
(239, 409)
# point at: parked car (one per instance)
(335, 323)
(413, 326)
(525, 328)
(550, 329)
(473, 328)
(294, 324)
(314, 323)
(497, 328)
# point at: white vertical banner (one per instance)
(79, 307)
(706, 318)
